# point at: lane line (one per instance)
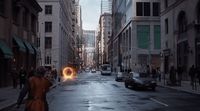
(159, 102)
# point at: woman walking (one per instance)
(36, 86)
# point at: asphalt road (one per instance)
(94, 92)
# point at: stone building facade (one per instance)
(180, 24)
(18, 33)
(136, 34)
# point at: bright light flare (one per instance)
(68, 73)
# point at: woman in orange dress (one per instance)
(37, 86)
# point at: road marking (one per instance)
(159, 102)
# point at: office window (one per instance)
(143, 8)
(143, 36)
(48, 60)
(157, 39)
(48, 26)
(147, 9)
(139, 9)
(2, 8)
(156, 9)
(48, 9)
(166, 26)
(48, 42)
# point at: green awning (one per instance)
(20, 44)
(28, 45)
(6, 50)
(36, 49)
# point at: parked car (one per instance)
(87, 70)
(140, 80)
(119, 76)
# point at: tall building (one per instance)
(79, 35)
(136, 34)
(89, 37)
(18, 33)
(105, 23)
(180, 22)
(57, 33)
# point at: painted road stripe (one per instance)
(159, 102)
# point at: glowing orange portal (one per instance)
(69, 73)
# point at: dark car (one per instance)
(140, 80)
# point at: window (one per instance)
(147, 9)
(48, 9)
(166, 3)
(139, 8)
(48, 26)
(156, 9)
(166, 26)
(2, 8)
(143, 8)
(157, 39)
(182, 22)
(15, 13)
(143, 35)
(38, 42)
(25, 18)
(33, 23)
(48, 42)
(48, 60)
(129, 38)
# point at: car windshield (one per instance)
(142, 75)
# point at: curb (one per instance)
(186, 91)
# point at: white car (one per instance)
(119, 76)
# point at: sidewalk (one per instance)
(9, 95)
(185, 87)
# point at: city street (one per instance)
(94, 92)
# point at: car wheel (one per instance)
(126, 84)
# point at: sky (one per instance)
(90, 13)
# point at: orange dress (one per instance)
(38, 87)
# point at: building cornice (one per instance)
(174, 5)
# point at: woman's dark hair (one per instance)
(40, 71)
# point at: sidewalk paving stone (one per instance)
(185, 87)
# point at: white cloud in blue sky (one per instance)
(90, 13)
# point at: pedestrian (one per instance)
(172, 75)
(179, 73)
(14, 75)
(198, 73)
(192, 76)
(148, 70)
(158, 74)
(22, 77)
(36, 87)
(153, 72)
